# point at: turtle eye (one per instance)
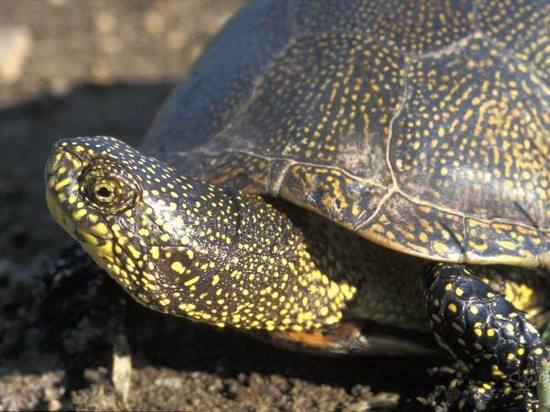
(108, 187)
(104, 192)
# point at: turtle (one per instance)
(343, 177)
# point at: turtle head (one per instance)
(88, 189)
(181, 246)
(137, 217)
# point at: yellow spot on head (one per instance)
(135, 253)
(62, 183)
(177, 267)
(79, 214)
(101, 229)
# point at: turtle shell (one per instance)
(422, 125)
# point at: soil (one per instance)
(104, 67)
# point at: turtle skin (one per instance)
(394, 133)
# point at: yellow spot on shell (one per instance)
(192, 281)
(507, 244)
(187, 307)
(440, 247)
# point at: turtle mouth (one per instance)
(99, 244)
(61, 170)
(67, 206)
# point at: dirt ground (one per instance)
(103, 67)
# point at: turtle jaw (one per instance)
(61, 175)
(67, 206)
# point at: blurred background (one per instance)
(75, 67)
(71, 68)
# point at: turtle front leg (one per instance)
(497, 349)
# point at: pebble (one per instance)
(15, 45)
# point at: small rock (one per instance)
(15, 45)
